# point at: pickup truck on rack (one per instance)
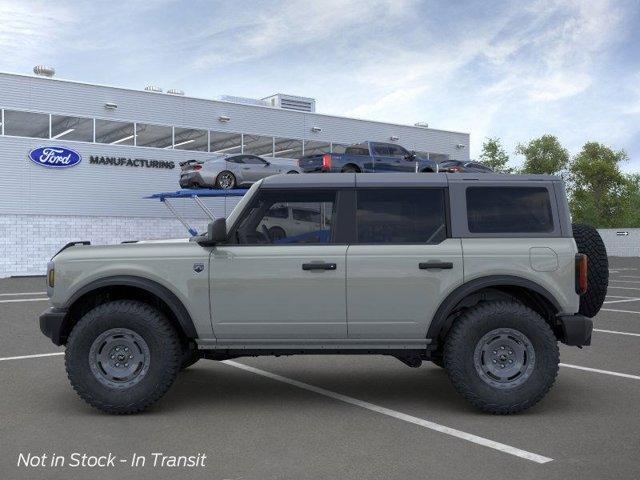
(481, 274)
(369, 157)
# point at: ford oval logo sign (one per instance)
(55, 157)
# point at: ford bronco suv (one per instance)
(482, 274)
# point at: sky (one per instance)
(513, 70)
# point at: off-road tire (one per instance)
(590, 243)
(466, 333)
(350, 169)
(165, 355)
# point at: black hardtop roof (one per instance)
(344, 180)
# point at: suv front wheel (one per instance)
(501, 356)
(122, 356)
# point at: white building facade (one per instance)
(129, 144)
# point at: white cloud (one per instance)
(30, 27)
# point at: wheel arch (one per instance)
(354, 165)
(127, 287)
(489, 288)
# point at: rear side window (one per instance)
(357, 151)
(401, 216)
(509, 210)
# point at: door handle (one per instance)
(435, 265)
(319, 266)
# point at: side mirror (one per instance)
(267, 164)
(217, 231)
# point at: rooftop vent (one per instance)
(153, 88)
(244, 100)
(292, 102)
(44, 71)
(175, 91)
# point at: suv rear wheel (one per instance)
(122, 356)
(501, 356)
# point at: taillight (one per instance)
(197, 167)
(455, 169)
(581, 273)
(326, 161)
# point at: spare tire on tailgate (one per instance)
(590, 243)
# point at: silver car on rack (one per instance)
(232, 171)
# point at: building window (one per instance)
(312, 147)
(224, 142)
(72, 128)
(190, 139)
(114, 133)
(287, 148)
(157, 136)
(26, 124)
(258, 145)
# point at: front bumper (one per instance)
(51, 323)
(575, 330)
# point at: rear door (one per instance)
(402, 264)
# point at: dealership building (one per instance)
(128, 144)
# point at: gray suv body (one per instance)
(479, 273)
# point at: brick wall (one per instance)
(28, 242)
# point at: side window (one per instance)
(251, 160)
(238, 159)
(401, 216)
(509, 210)
(267, 220)
(357, 151)
(277, 212)
(397, 151)
(381, 150)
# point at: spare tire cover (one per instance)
(590, 243)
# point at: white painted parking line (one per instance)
(398, 415)
(597, 370)
(39, 355)
(16, 300)
(627, 276)
(637, 282)
(21, 293)
(619, 311)
(623, 288)
(616, 332)
(625, 300)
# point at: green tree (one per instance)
(600, 191)
(543, 155)
(494, 155)
(632, 216)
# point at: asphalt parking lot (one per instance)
(330, 417)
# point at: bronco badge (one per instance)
(198, 267)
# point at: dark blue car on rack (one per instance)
(368, 157)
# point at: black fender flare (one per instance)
(439, 320)
(151, 286)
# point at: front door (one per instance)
(402, 265)
(280, 278)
